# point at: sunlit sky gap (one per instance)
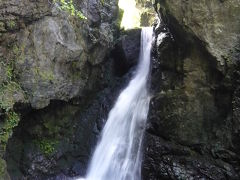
(131, 16)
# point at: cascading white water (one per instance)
(118, 153)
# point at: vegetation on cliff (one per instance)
(67, 5)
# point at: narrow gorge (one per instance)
(82, 95)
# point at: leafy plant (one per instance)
(9, 91)
(6, 92)
(13, 119)
(11, 24)
(8, 88)
(9, 123)
(47, 146)
(68, 6)
(45, 75)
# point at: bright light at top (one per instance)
(131, 16)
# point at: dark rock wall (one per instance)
(193, 129)
(126, 52)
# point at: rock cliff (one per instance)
(50, 51)
(193, 128)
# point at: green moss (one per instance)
(10, 93)
(8, 88)
(2, 27)
(11, 24)
(68, 6)
(48, 76)
(46, 146)
(2, 167)
(6, 95)
(6, 100)
(11, 120)
(44, 75)
(18, 52)
(53, 127)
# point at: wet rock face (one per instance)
(126, 51)
(193, 120)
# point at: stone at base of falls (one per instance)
(167, 160)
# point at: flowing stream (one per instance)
(118, 153)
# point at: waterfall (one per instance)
(118, 153)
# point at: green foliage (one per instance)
(3, 167)
(8, 88)
(10, 91)
(11, 24)
(11, 121)
(68, 6)
(2, 27)
(6, 93)
(18, 52)
(46, 146)
(44, 75)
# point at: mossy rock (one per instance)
(6, 127)
(2, 27)
(3, 170)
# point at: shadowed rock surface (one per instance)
(127, 50)
(193, 123)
